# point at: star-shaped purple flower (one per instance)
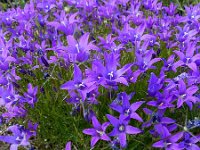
(98, 132)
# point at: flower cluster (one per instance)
(112, 46)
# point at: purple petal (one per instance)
(194, 147)
(180, 103)
(94, 140)
(71, 41)
(105, 125)
(147, 111)
(68, 86)
(167, 120)
(111, 63)
(136, 105)
(153, 61)
(123, 69)
(68, 146)
(177, 64)
(14, 147)
(180, 54)
(136, 116)
(192, 66)
(117, 108)
(89, 131)
(190, 50)
(135, 76)
(77, 74)
(114, 121)
(121, 80)
(182, 86)
(105, 137)
(152, 103)
(114, 132)
(84, 40)
(196, 57)
(8, 139)
(195, 139)
(95, 122)
(162, 130)
(159, 144)
(191, 90)
(122, 139)
(176, 137)
(132, 130)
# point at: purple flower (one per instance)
(98, 132)
(144, 63)
(155, 84)
(185, 95)
(189, 143)
(5, 57)
(188, 58)
(168, 64)
(121, 128)
(185, 34)
(162, 125)
(192, 14)
(80, 50)
(171, 10)
(79, 84)
(121, 97)
(128, 109)
(108, 74)
(170, 142)
(66, 24)
(46, 6)
(20, 136)
(31, 96)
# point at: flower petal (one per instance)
(94, 140)
(136, 117)
(95, 122)
(114, 121)
(122, 140)
(132, 130)
(159, 144)
(89, 131)
(136, 105)
(68, 146)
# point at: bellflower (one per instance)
(66, 24)
(185, 95)
(192, 15)
(188, 58)
(171, 10)
(31, 94)
(98, 132)
(155, 84)
(110, 72)
(121, 128)
(168, 64)
(121, 97)
(189, 142)
(169, 142)
(185, 34)
(144, 63)
(80, 50)
(157, 118)
(128, 109)
(20, 136)
(79, 84)
(46, 6)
